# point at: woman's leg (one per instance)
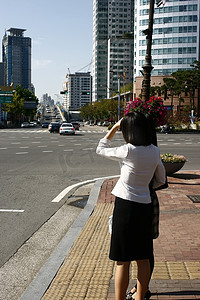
(121, 279)
(151, 262)
(142, 278)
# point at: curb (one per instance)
(40, 283)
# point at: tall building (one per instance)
(176, 36)
(16, 56)
(77, 90)
(113, 44)
(1, 73)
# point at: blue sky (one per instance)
(61, 33)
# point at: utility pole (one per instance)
(147, 67)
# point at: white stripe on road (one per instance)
(68, 150)
(87, 149)
(47, 151)
(21, 153)
(69, 188)
(25, 147)
(12, 210)
(3, 148)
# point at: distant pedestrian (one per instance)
(131, 237)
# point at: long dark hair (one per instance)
(136, 129)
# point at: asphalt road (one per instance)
(35, 166)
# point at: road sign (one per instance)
(6, 97)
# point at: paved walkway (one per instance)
(87, 273)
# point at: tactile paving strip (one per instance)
(86, 272)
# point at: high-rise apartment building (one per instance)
(113, 43)
(77, 90)
(176, 34)
(16, 56)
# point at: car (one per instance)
(66, 128)
(106, 123)
(76, 125)
(25, 125)
(33, 124)
(45, 124)
(54, 127)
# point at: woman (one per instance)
(131, 237)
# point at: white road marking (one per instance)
(163, 144)
(25, 147)
(87, 149)
(42, 146)
(21, 152)
(66, 150)
(3, 148)
(77, 144)
(47, 151)
(69, 188)
(36, 142)
(15, 143)
(12, 210)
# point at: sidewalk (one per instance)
(87, 273)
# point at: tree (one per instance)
(16, 109)
(171, 86)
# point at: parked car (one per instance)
(76, 125)
(45, 124)
(25, 125)
(106, 123)
(54, 127)
(66, 128)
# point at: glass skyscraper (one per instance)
(113, 44)
(17, 58)
(175, 42)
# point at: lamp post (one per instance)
(147, 67)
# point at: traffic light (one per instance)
(85, 93)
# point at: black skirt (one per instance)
(131, 237)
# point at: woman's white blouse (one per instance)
(139, 164)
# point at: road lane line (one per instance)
(3, 148)
(12, 210)
(69, 188)
(86, 149)
(66, 150)
(47, 151)
(21, 153)
(25, 147)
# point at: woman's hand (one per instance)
(112, 131)
(117, 125)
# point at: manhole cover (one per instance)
(80, 202)
(194, 198)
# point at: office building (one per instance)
(176, 34)
(77, 90)
(1, 73)
(113, 44)
(16, 56)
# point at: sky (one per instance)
(61, 33)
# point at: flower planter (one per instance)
(171, 167)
